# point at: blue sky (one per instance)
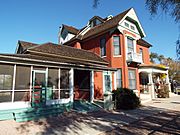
(39, 20)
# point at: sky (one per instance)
(38, 21)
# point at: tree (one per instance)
(171, 7)
(153, 57)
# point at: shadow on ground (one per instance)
(144, 120)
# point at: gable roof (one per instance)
(61, 51)
(71, 29)
(142, 42)
(111, 23)
(23, 46)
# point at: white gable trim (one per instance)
(133, 16)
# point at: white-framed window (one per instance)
(116, 44)
(132, 27)
(130, 44)
(119, 78)
(103, 46)
(141, 53)
(107, 81)
(132, 79)
(126, 24)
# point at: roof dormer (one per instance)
(95, 21)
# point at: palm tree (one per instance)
(153, 57)
(161, 58)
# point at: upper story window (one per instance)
(130, 44)
(126, 24)
(141, 53)
(103, 46)
(132, 27)
(116, 44)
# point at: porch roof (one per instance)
(32, 59)
(156, 68)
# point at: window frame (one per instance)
(117, 79)
(135, 79)
(119, 45)
(102, 47)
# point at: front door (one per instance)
(39, 88)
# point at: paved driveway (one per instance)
(153, 118)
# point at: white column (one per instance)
(59, 83)
(151, 84)
(91, 86)
(14, 81)
(167, 81)
(31, 83)
(115, 83)
(71, 84)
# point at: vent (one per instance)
(109, 17)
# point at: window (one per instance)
(107, 79)
(132, 79)
(103, 46)
(126, 24)
(132, 27)
(130, 44)
(141, 53)
(119, 78)
(116, 43)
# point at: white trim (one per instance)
(14, 81)
(59, 83)
(133, 15)
(110, 74)
(91, 86)
(115, 83)
(14, 105)
(31, 83)
(117, 56)
(58, 101)
(71, 84)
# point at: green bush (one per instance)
(125, 99)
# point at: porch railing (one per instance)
(134, 57)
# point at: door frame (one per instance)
(33, 80)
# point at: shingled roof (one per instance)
(23, 46)
(71, 29)
(61, 51)
(142, 42)
(106, 25)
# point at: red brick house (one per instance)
(118, 40)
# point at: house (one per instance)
(88, 63)
(118, 40)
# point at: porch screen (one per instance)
(22, 83)
(132, 79)
(53, 81)
(64, 83)
(6, 79)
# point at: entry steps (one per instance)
(28, 114)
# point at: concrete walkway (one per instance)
(101, 122)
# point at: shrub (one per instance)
(125, 99)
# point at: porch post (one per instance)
(91, 86)
(151, 85)
(71, 84)
(167, 81)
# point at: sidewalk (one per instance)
(95, 123)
